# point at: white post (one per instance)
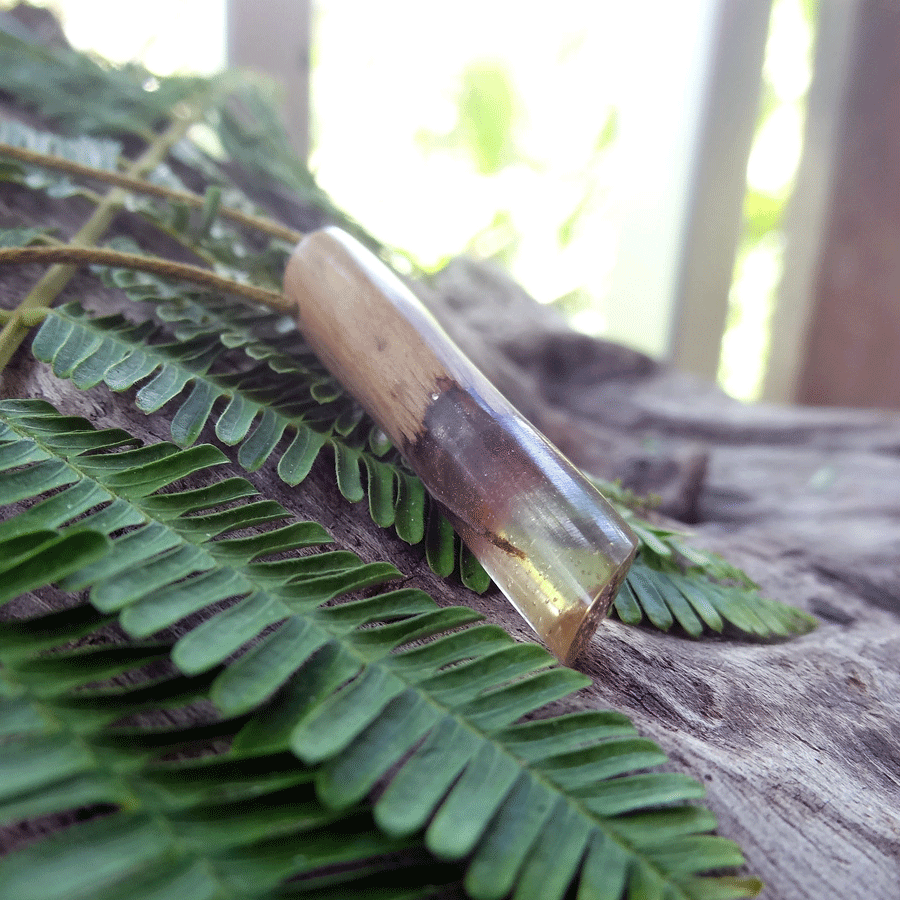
(273, 36)
(687, 113)
(714, 212)
(810, 202)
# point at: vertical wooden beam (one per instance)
(810, 204)
(273, 36)
(853, 350)
(715, 205)
(660, 102)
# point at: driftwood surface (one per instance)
(798, 742)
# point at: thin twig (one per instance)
(84, 256)
(29, 318)
(43, 294)
(142, 186)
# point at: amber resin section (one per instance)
(545, 535)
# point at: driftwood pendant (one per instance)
(545, 535)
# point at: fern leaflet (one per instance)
(288, 391)
(215, 823)
(355, 688)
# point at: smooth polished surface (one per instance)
(545, 535)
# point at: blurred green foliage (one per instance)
(487, 113)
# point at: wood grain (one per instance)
(367, 330)
(797, 742)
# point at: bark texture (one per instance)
(798, 742)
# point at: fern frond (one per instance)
(672, 583)
(84, 97)
(281, 392)
(696, 602)
(251, 134)
(54, 184)
(352, 689)
(213, 823)
(92, 152)
(292, 393)
(25, 236)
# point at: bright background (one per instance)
(540, 135)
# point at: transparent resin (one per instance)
(545, 535)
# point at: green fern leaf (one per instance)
(24, 237)
(88, 350)
(696, 600)
(349, 688)
(252, 135)
(255, 418)
(96, 152)
(224, 824)
(29, 560)
(93, 152)
(83, 96)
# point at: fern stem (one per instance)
(58, 276)
(83, 256)
(138, 185)
(29, 318)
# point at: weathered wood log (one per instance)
(799, 742)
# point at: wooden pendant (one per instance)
(545, 535)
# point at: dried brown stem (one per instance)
(83, 256)
(142, 186)
(44, 293)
